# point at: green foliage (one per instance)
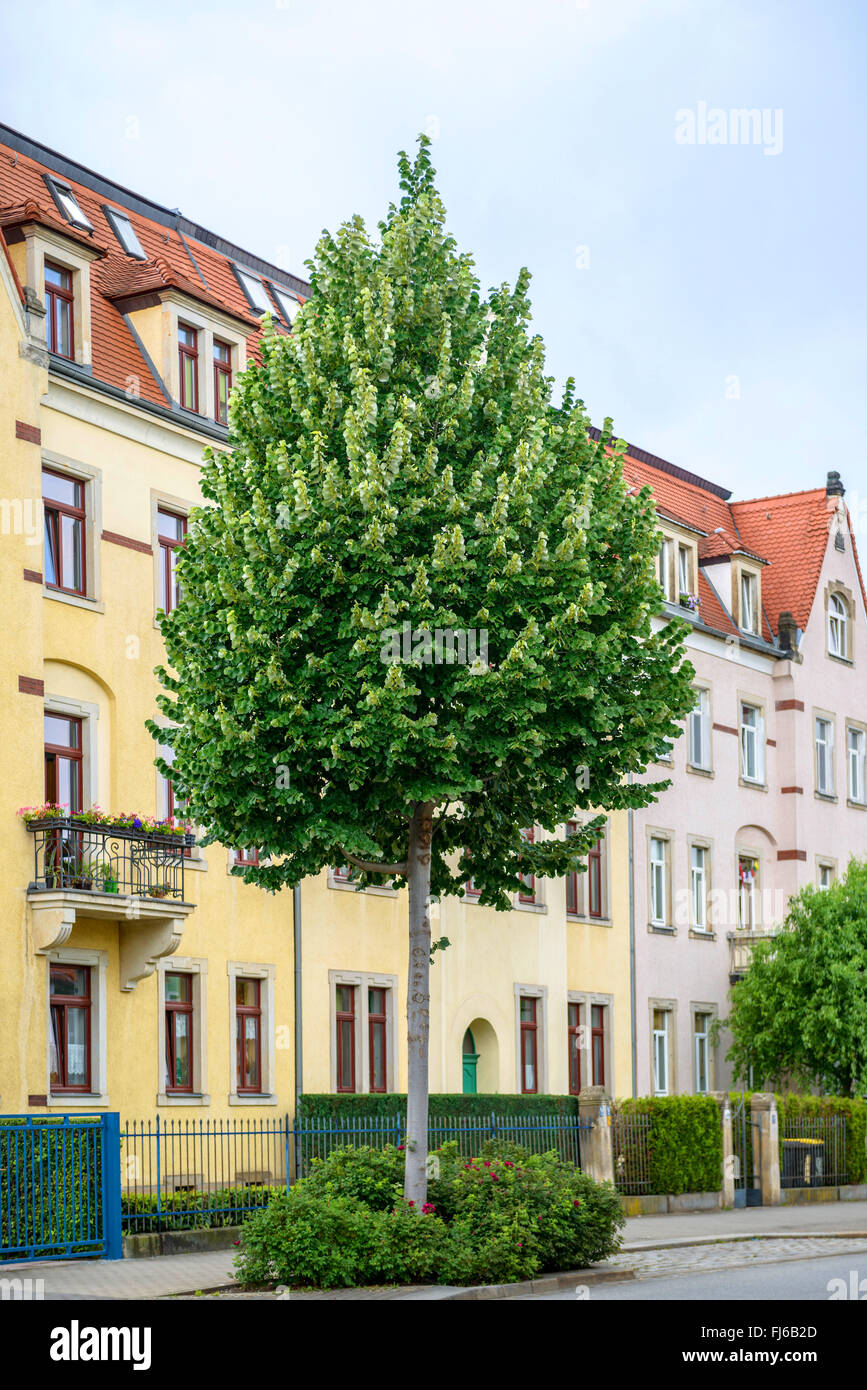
(50, 1184)
(188, 1211)
(491, 1220)
(397, 459)
(800, 1014)
(853, 1110)
(685, 1142)
(351, 1107)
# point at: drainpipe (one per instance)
(296, 933)
(632, 1008)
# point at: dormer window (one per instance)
(222, 381)
(254, 289)
(287, 302)
(684, 569)
(125, 233)
(666, 577)
(749, 597)
(67, 205)
(59, 310)
(188, 366)
(838, 626)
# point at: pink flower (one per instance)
(577, 1202)
(494, 1177)
(487, 1163)
(509, 1163)
(412, 1204)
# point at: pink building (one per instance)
(768, 777)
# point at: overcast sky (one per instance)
(709, 296)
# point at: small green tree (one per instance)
(416, 616)
(800, 1013)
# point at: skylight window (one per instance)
(125, 232)
(289, 305)
(65, 200)
(255, 291)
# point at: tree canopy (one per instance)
(800, 1013)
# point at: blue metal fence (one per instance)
(59, 1186)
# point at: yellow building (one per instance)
(139, 975)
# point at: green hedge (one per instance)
(685, 1142)
(351, 1106)
(854, 1112)
(42, 1199)
(187, 1211)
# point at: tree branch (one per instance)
(368, 868)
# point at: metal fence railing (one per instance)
(813, 1151)
(68, 853)
(58, 1176)
(630, 1134)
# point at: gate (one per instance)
(59, 1187)
(746, 1151)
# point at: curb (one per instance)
(682, 1242)
(549, 1283)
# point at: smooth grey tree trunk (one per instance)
(418, 1004)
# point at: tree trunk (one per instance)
(418, 1004)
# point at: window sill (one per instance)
(530, 907)
(699, 771)
(189, 1098)
(266, 1098)
(587, 921)
(72, 1100)
(825, 796)
(843, 660)
(659, 930)
(696, 934)
(856, 805)
(345, 888)
(752, 784)
(76, 600)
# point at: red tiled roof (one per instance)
(174, 259)
(792, 530)
(711, 611)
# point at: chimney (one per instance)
(787, 632)
(834, 487)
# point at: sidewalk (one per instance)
(87, 1280)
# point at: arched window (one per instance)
(838, 626)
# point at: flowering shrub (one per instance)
(493, 1219)
(123, 820)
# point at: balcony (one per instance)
(132, 877)
(741, 945)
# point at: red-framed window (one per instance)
(248, 1014)
(529, 1046)
(70, 1005)
(574, 1049)
(594, 881)
(64, 761)
(344, 873)
(59, 300)
(172, 536)
(222, 381)
(188, 366)
(64, 559)
(376, 1024)
(597, 1043)
(345, 1037)
(179, 1033)
(247, 857)
(572, 878)
(527, 893)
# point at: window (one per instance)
(344, 873)
(752, 743)
(698, 886)
(749, 603)
(594, 880)
(346, 1037)
(597, 1043)
(660, 1052)
(824, 756)
(838, 626)
(66, 202)
(748, 882)
(59, 301)
(684, 569)
(699, 731)
(856, 741)
(188, 366)
(576, 1038)
(248, 858)
(527, 893)
(172, 536)
(248, 1030)
(701, 1042)
(64, 761)
(572, 899)
(658, 881)
(70, 1045)
(179, 1032)
(826, 876)
(289, 305)
(125, 232)
(529, 1046)
(377, 1037)
(63, 501)
(222, 381)
(254, 291)
(665, 569)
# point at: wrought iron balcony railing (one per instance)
(107, 859)
(741, 945)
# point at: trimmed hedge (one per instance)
(41, 1172)
(854, 1112)
(685, 1142)
(352, 1106)
(192, 1211)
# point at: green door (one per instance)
(470, 1060)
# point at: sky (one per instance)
(703, 280)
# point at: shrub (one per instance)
(685, 1143)
(350, 1107)
(372, 1176)
(185, 1211)
(854, 1111)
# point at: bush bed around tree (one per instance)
(506, 1216)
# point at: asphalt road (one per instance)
(805, 1280)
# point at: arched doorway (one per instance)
(470, 1060)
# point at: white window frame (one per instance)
(67, 203)
(665, 561)
(198, 968)
(748, 601)
(752, 734)
(700, 731)
(699, 857)
(661, 1048)
(838, 626)
(825, 754)
(364, 981)
(825, 867)
(96, 1098)
(750, 893)
(708, 1012)
(658, 870)
(856, 764)
(248, 970)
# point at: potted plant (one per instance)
(108, 874)
(159, 890)
(690, 601)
